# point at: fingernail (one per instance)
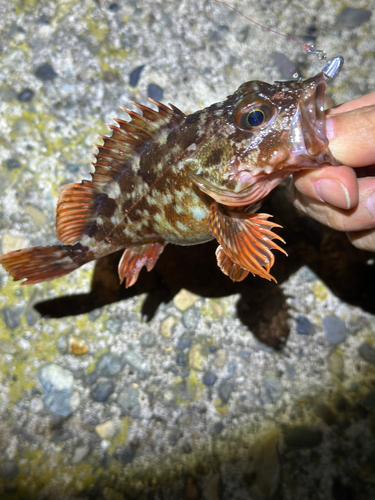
(333, 192)
(370, 204)
(330, 128)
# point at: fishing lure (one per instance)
(164, 177)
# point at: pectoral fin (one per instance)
(246, 239)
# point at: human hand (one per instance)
(343, 197)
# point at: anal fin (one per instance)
(246, 239)
(134, 258)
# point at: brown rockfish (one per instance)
(164, 177)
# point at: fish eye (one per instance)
(251, 114)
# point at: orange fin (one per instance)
(38, 264)
(134, 258)
(246, 239)
(75, 211)
(229, 267)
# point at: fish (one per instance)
(163, 177)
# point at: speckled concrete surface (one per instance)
(186, 386)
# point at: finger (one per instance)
(364, 240)
(359, 102)
(337, 186)
(352, 136)
(359, 218)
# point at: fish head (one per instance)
(259, 136)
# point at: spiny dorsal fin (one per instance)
(79, 204)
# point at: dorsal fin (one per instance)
(79, 204)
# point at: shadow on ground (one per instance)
(262, 305)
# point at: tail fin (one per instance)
(38, 264)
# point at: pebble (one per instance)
(37, 215)
(148, 339)
(77, 346)
(174, 435)
(102, 390)
(262, 474)
(209, 379)
(9, 470)
(80, 453)
(182, 359)
(62, 343)
(135, 361)
(106, 430)
(113, 7)
(196, 360)
(57, 383)
(225, 391)
(167, 325)
(184, 342)
(36, 405)
(129, 401)
(12, 316)
(10, 243)
(272, 390)
(31, 318)
(286, 67)
(127, 455)
(303, 325)
(186, 448)
(12, 163)
(303, 436)
(108, 365)
(113, 325)
(220, 358)
(7, 347)
(336, 364)
(191, 318)
(184, 299)
(26, 95)
(45, 72)
(155, 92)
(232, 368)
(135, 75)
(367, 352)
(351, 18)
(334, 329)
(218, 427)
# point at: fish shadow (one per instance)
(262, 305)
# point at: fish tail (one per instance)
(45, 263)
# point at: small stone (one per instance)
(129, 401)
(167, 325)
(38, 217)
(336, 364)
(12, 317)
(320, 290)
(62, 344)
(186, 448)
(77, 346)
(307, 274)
(196, 360)
(155, 92)
(174, 435)
(262, 472)
(102, 390)
(191, 318)
(36, 405)
(232, 368)
(106, 430)
(218, 427)
(184, 342)
(80, 453)
(45, 72)
(220, 358)
(351, 18)
(7, 347)
(127, 455)
(113, 325)
(113, 7)
(31, 318)
(12, 163)
(225, 391)
(182, 359)
(135, 361)
(108, 365)
(334, 330)
(209, 379)
(148, 339)
(9, 470)
(26, 95)
(57, 383)
(272, 390)
(367, 352)
(303, 436)
(303, 325)
(184, 299)
(10, 243)
(245, 354)
(73, 168)
(135, 75)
